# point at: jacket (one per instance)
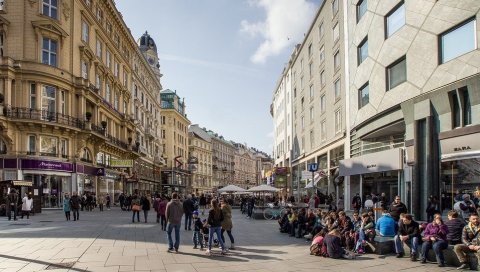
(455, 228)
(412, 229)
(145, 202)
(396, 209)
(66, 204)
(334, 246)
(227, 217)
(215, 220)
(75, 202)
(27, 204)
(386, 226)
(439, 232)
(188, 206)
(471, 235)
(162, 206)
(197, 224)
(174, 212)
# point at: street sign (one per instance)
(313, 167)
(306, 175)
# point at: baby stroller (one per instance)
(204, 231)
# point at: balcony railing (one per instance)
(117, 141)
(98, 129)
(48, 154)
(43, 115)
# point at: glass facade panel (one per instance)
(395, 20)
(458, 41)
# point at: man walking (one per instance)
(11, 203)
(75, 201)
(188, 208)
(173, 213)
(397, 208)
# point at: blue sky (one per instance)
(223, 56)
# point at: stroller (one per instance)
(204, 231)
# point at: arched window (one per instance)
(86, 155)
(3, 147)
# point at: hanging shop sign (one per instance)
(121, 163)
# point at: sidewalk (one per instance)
(108, 241)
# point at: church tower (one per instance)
(149, 49)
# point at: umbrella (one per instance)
(231, 188)
(263, 188)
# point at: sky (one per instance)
(224, 57)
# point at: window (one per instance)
(323, 103)
(337, 88)
(88, 2)
(116, 40)
(85, 31)
(64, 148)
(458, 41)
(109, 59)
(312, 139)
(115, 100)
(336, 33)
(322, 54)
(467, 107)
(334, 7)
(310, 69)
(461, 107)
(323, 130)
(107, 93)
(336, 61)
(117, 69)
(363, 98)
(303, 122)
(310, 50)
(456, 111)
(321, 30)
(99, 15)
(98, 82)
(124, 107)
(322, 78)
(50, 8)
(301, 82)
(33, 96)
(49, 52)
(362, 51)
(338, 121)
(49, 105)
(32, 145)
(311, 92)
(84, 69)
(397, 73)
(108, 27)
(48, 146)
(62, 102)
(2, 42)
(361, 9)
(311, 114)
(302, 104)
(395, 20)
(99, 48)
(125, 78)
(2, 4)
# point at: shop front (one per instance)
(87, 178)
(375, 173)
(459, 167)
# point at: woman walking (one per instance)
(227, 224)
(215, 218)
(145, 203)
(135, 208)
(66, 206)
(27, 204)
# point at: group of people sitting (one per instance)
(336, 235)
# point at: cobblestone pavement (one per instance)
(108, 241)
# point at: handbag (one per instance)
(136, 207)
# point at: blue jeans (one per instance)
(361, 238)
(138, 216)
(218, 231)
(188, 221)
(438, 248)
(170, 227)
(411, 242)
(197, 239)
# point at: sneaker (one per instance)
(170, 250)
(195, 247)
(441, 265)
(232, 247)
(225, 251)
(176, 250)
(208, 252)
(423, 261)
(463, 266)
(413, 257)
(400, 255)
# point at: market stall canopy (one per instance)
(263, 188)
(231, 188)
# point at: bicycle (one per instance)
(273, 212)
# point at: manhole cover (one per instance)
(60, 265)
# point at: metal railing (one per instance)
(117, 141)
(43, 115)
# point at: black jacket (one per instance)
(334, 246)
(412, 229)
(188, 206)
(395, 210)
(215, 220)
(455, 227)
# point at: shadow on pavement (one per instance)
(51, 265)
(260, 251)
(217, 256)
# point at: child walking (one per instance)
(197, 226)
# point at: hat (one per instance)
(465, 196)
(195, 213)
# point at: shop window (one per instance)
(48, 146)
(363, 96)
(32, 145)
(49, 52)
(397, 73)
(50, 8)
(395, 20)
(458, 41)
(361, 9)
(362, 51)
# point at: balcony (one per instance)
(142, 150)
(116, 141)
(149, 133)
(48, 154)
(43, 115)
(98, 129)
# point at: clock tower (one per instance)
(149, 49)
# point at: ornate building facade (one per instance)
(200, 159)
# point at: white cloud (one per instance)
(285, 24)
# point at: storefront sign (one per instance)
(387, 160)
(10, 163)
(121, 163)
(461, 147)
(47, 165)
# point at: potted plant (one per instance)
(104, 124)
(129, 140)
(2, 98)
(88, 116)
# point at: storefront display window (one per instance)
(51, 188)
(458, 177)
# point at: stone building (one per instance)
(200, 159)
(223, 160)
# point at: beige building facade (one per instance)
(245, 167)
(223, 160)
(66, 73)
(200, 159)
